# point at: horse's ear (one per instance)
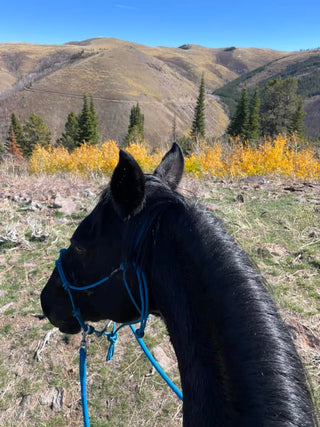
(171, 167)
(127, 186)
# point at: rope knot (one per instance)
(89, 329)
(112, 338)
(65, 284)
(139, 333)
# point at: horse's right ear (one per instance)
(127, 186)
(170, 169)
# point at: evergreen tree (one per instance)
(279, 105)
(18, 130)
(186, 144)
(85, 122)
(254, 116)
(70, 138)
(239, 125)
(88, 122)
(198, 124)
(36, 132)
(95, 137)
(13, 147)
(136, 126)
(297, 125)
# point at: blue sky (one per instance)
(282, 25)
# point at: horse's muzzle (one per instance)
(55, 310)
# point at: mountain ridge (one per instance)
(303, 65)
(50, 80)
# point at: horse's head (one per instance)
(101, 243)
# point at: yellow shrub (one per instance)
(142, 153)
(273, 157)
(192, 166)
(276, 157)
(84, 160)
(211, 163)
(49, 160)
(110, 156)
(306, 165)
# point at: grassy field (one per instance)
(276, 222)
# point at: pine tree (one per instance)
(186, 144)
(254, 116)
(88, 123)
(239, 125)
(18, 131)
(85, 122)
(136, 126)
(95, 137)
(70, 138)
(279, 105)
(36, 132)
(198, 124)
(13, 147)
(297, 125)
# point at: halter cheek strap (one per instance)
(144, 300)
(112, 336)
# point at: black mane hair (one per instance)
(234, 301)
(237, 360)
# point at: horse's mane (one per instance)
(240, 309)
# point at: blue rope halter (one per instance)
(112, 336)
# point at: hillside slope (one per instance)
(51, 80)
(304, 66)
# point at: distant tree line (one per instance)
(24, 136)
(279, 111)
(84, 128)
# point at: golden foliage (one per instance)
(276, 158)
(273, 157)
(147, 160)
(90, 159)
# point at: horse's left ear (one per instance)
(127, 186)
(171, 167)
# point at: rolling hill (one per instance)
(50, 81)
(304, 66)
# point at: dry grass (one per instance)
(38, 364)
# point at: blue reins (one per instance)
(112, 336)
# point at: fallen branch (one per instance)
(41, 345)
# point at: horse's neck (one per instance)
(200, 363)
(235, 359)
(204, 403)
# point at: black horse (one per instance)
(237, 361)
